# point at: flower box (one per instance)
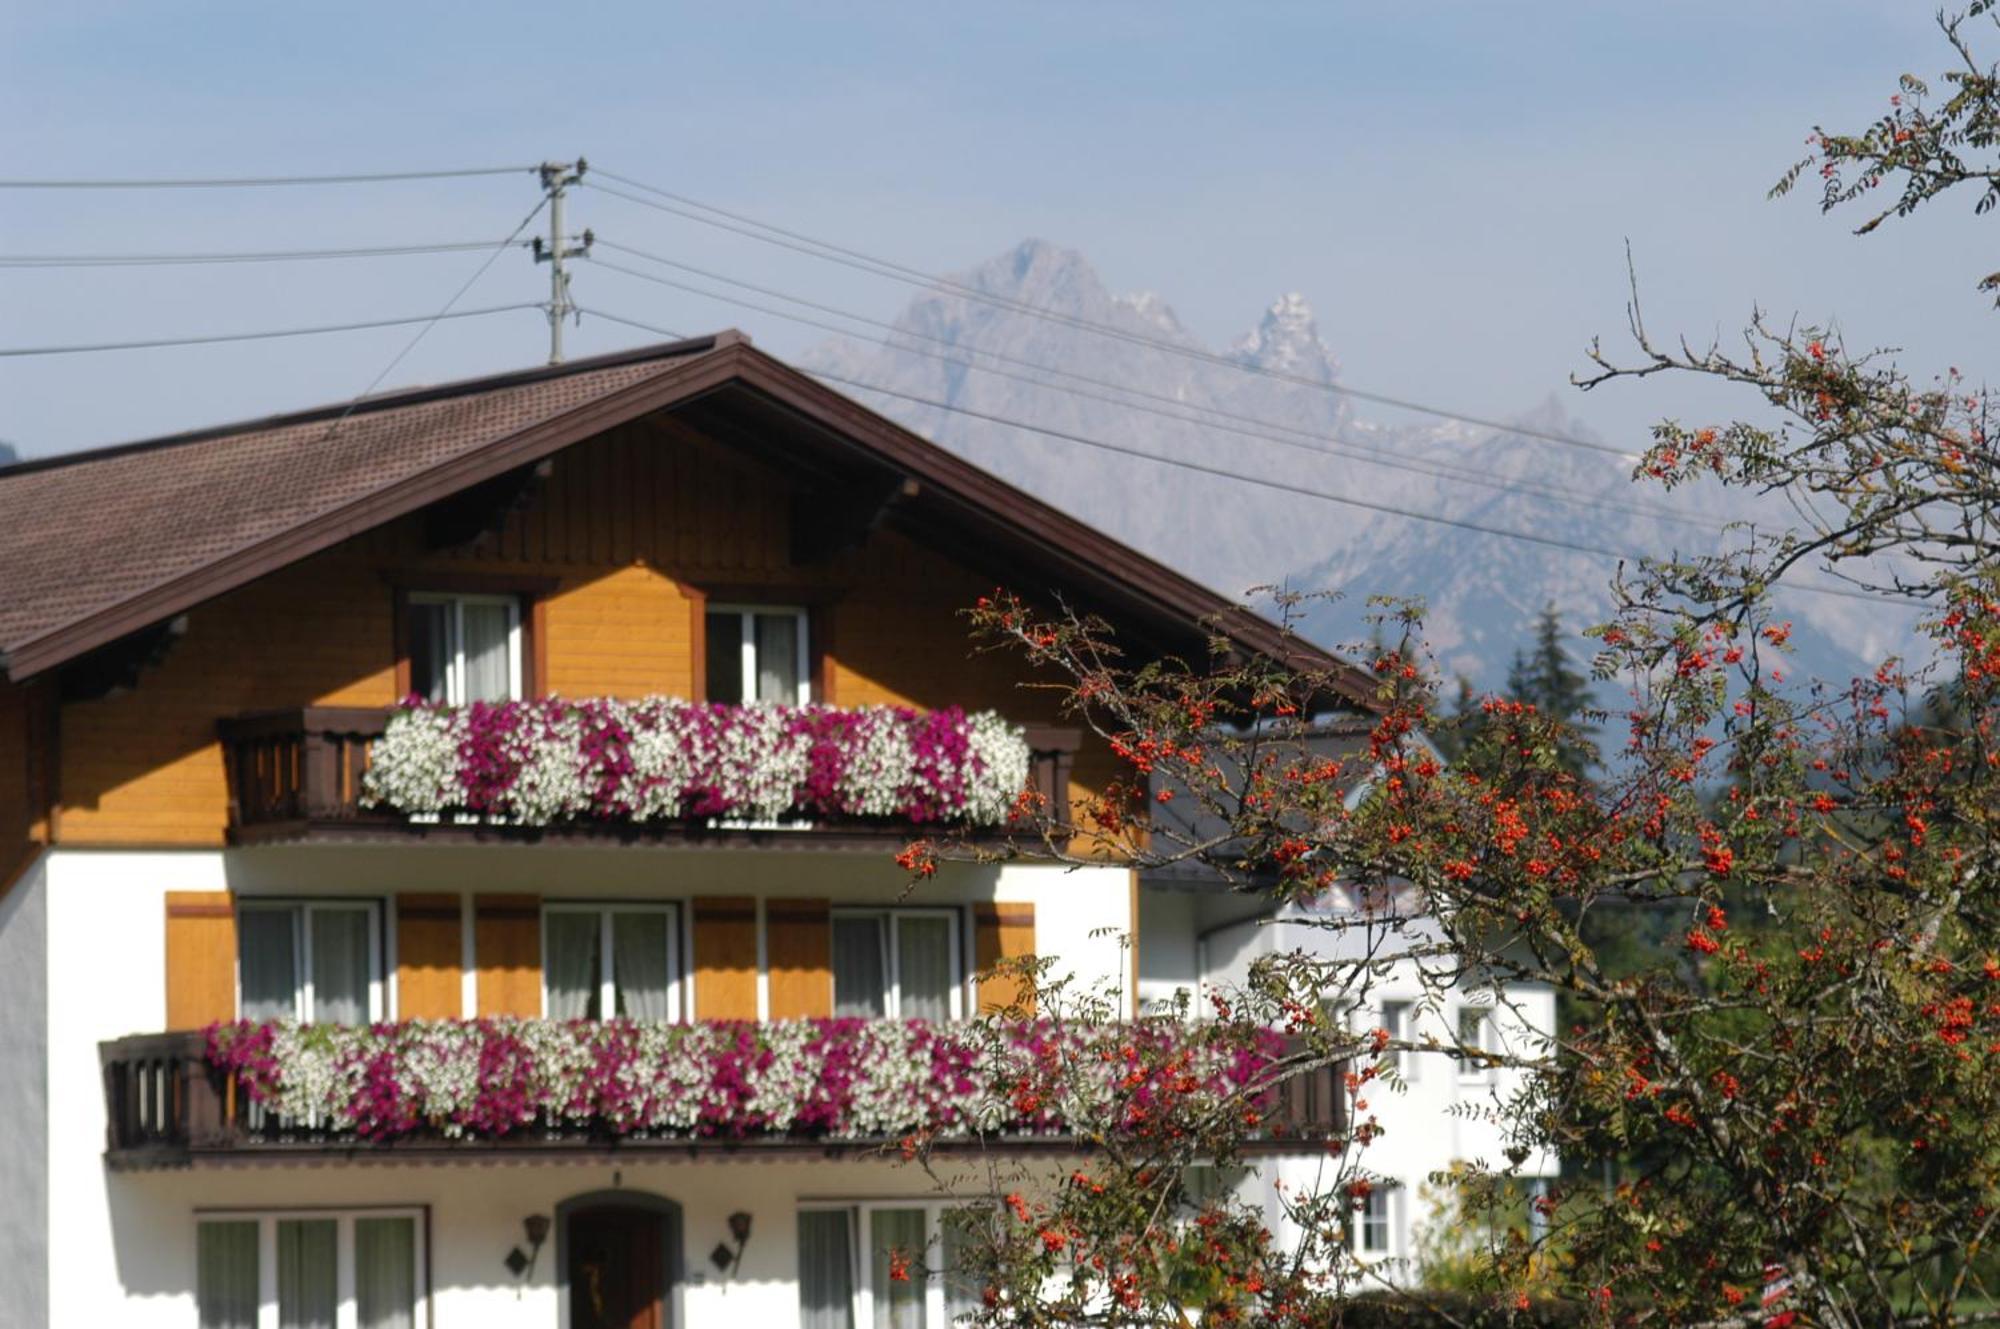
(550, 761)
(832, 1079)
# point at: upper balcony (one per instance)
(318, 773)
(534, 1088)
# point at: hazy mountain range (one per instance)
(1280, 423)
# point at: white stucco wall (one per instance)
(120, 1247)
(1437, 1116)
(24, 1144)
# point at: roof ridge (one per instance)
(390, 400)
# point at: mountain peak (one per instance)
(1033, 264)
(1287, 340)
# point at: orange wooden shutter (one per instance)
(507, 939)
(725, 957)
(201, 958)
(427, 957)
(1001, 932)
(799, 947)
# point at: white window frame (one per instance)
(747, 653)
(607, 989)
(1389, 1197)
(347, 1314)
(454, 669)
(892, 966)
(861, 1250)
(1399, 1017)
(1471, 1072)
(302, 911)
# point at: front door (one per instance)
(615, 1275)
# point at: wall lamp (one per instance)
(725, 1260)
(536, 1228)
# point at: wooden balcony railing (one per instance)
(167, 1107)
(297, 774)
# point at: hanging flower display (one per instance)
(825, 1078)
(536, 763)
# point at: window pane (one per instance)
(1399, 1018)
(339, 966)
(385, 1272)
(859, 977)
(488, 650)
(725, 658)
(898, 1305)
(570, 969)
(307, 1291)
(826, 1269)
(639, 964)
(923, 967)
(267, 963)
(225, 1279)
(963, 1287)
(778, 657)
(430, 650)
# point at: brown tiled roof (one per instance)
(97, 545)
(82, 533)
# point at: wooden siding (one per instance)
(725, 957)
(624, 539)
(429, 957)
(798, 949)
(201, 958)
(1002, 931)
(507, 947)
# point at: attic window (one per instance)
(757, 653)
(465, 648)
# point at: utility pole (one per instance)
(557, 177)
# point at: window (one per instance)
(897, 964)
(604, 961)
(362, 1268)
(757, 654)
(1400, 1019)
(1475, 1032)
(317, 961)
(850, 1284)
(1374, 1228)
(465, 648)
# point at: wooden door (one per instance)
(616, 1279)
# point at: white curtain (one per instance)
(901, 1232)
(570, 968)
(339, 966)
(308, 1291)
(778, 658)
(488, 629)
(962, 1288)
(225, 1287)
(859, 982)
(385, 1272)
(639, 964)
(826, 1269)
(267, 962)
(923, 967)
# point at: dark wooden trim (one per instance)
(469, 583)
(819, 652)
(952, 490)
(777, 594)
(399, 638)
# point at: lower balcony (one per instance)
(433, 1091)
(645, 771)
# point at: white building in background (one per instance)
(1199, 936)
(204, 638)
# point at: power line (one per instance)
(1348, 500)
(254, 181)
(1321, 445)
(247, 256)
(798, 242)
(16, 351)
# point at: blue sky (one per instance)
(1452, 186)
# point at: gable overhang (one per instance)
(747, 398)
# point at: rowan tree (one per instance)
(1805, 1075)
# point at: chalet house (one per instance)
(235, 867)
